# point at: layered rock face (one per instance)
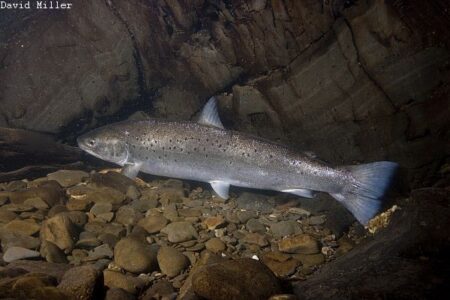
(364, 83)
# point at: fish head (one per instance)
(106, 144)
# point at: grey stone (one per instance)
(180, 232)
(253, 225)
(254, 202)
(285, 228)
(16, 253)
(10, 239)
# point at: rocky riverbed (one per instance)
(100, 234)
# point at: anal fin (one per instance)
(300, 192)
(221, 188)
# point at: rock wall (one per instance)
(363, 83)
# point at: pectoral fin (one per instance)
(221, 188)
(131, 170)
(301, 192)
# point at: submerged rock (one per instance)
(127, 283)
(178, 232)
(60, 231)
(215, 245)
(302, 243)
(67, 178)
(17, 253)
(22, 227)
(153, 224)
(52, 253)
(171, 261)
(83, 282)
(135, 256)
(235, 279)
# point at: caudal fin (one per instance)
(364, 194)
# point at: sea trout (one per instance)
(205, 151)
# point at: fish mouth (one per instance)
(82, 145)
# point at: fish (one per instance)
(205, 151)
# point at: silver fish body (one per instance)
(207, 152)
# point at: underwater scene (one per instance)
(224, 149)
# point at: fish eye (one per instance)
(91, 142)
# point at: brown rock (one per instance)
(303, 243)
(214, 222)
(119, 294)
(235, 279)
(310, 260)
(171, 261)
(7, 216)
(52, 253)
(180, 232)
(51, 269)
(113, 180)
(22, 227)
(60, 231)
(68, 178)
(163, 289)
(215, 245)
(127, 215)
(127, 283)
(153, 224)
(134, 256)
(48, 192)
(10, 239)
(105, 194)
(255, 239)
(282, 269)
(82, 283)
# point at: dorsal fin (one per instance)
(209, 115)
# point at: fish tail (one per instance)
(364, 195)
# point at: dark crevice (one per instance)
(136, 53)
(365, 69)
